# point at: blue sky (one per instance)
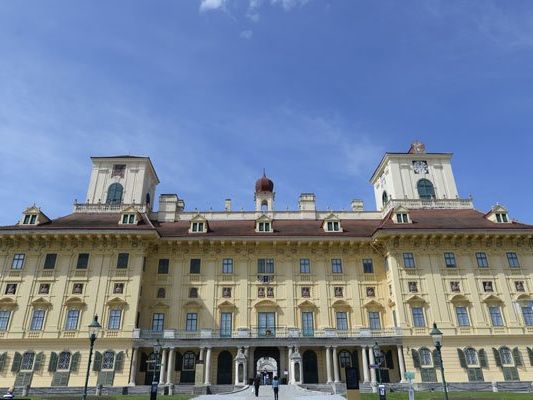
(214, 91)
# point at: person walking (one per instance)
(257, 383)
(275, 386)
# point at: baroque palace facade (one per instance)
(301, 294)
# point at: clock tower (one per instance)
(415, 179)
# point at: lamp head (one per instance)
(376, 350)
(94, 327)
(157, 347)
(436, 335)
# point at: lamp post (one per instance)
(436, 335)
(94, 328)
(155, 377)
(378, 359)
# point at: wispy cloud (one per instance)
(209, 5)
(247, 34)
(253, 6)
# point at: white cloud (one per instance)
(288, 4)
(254, 6)
(247, 34)
(208, 5)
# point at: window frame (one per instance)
(449, 259)
(305, 266)
(83, 261)
(419, 318)
(17, 263)
(50, 260)
(68, 319)
(227, 266)
(163, 266)
(336, 266)
(341, 321)
(374, 320)
(191, 321)
(123, 260)
(482, 259)
(496, 316)
(5, 317)
(459, 317)
(158, 322)
(195, 266)
(409, 260)
(368, 265)
(513, 260)
(226, 324)
(37, 319)
(63, 365)
(114, 320)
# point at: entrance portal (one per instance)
(266, 362)
(224, 368)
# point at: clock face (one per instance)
(420, 167)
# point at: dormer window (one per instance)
(501, 217)
(332, 224)
(198, 225)
(30, 219)
(402, 218)
(263, 224)
(401, 215)
(129, 216)
(128, 219)
(33, 216)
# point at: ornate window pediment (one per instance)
(415, 299)
(33, 216)
(7, 303)
(332, 223)
(117, 302)
(490, 298)
(263, 224)
(75, 302)
(198, 224)
(41, 302)
(498, 214)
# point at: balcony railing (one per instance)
(429, 203)
(106, 208)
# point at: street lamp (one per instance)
(378, 359)
(94, 328)
(436, 335)
(155, 380)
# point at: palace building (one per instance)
(301, 294)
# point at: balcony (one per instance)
(265, 278)
(429, 203)
(106, 208)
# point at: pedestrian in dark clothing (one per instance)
(275, 386)
(257, 383)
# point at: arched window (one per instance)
(147, 198)
(345, 359)
(161, 293)
(425, 188)
(384, 198)
(27, 361)
(189, 361)
(64, 361)
(506, 356)
(425, 358)
(264, 206)
(108, 360)
(471, 356)
(114, 194)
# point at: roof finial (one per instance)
(264, 173)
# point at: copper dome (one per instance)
(264, 184)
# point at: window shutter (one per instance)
(483, 362)
(39, 361)
(517, 356)
(416, 358)
(3, 361)
(530, 354)
(144, 359)
(462, 358)
(75, 362)
(389, 360)
(97, 365)
(436, 358)
(52, 365)
(119, 362)
(17, 360)
(497, 357)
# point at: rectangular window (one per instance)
(305, 266)
(449, 259)
(418, 317)
(158, 322)
(308, 328)
(27, 361)
(71, 323)
(368, 266)
(374, 320)
(462, 316)
(226, 320)
(408, 260)
(83, 261)
(333, 226)
(495, 316)
(195, 264)
(37, 320)
(267, 324)
(114, 319)
(336, 265)
(342, 320)
(512, 259)
(191, 324)
(197, 227)
(482, 261)
(527, 313)
(402, 218)
(265, 266)
(227, 266)
(18, 261)
(263, 226)
(50, 261)
(162, 267)
(122, 260)
(4, 319)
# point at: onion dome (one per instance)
(264, 184)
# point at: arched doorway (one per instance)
(310, 366)
(268, 368)
(224, 368)
(270, 356)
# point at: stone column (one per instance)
(401, 363)
(328, 364)
(133, 370)
(163, 366)
(364, 352)
(372, 362)
(246, 362)
(289, 378)
(251, 366)
(208, 367)
(335, 365)
(170, 366)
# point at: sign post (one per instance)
(410, 376)
(352, 384)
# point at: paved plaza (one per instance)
(286, 392)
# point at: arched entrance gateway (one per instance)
(310, 367)
(267, 361)
(224, 368)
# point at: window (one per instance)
(63, 362)
(114, 194)
(118, 170)
(191, 324)
(162, 267)
(158, 322)
(408, 260)
(512, 259)
(482, 261)
(333, 226)
(384, 198)
(260, 292)
(194, 267)
(449, 260)
(18, 261)
(226, 292)
(413, 287)
(118, 288)
(308, 327)
(263, 226)
(267, 324)
(370, 291)
(37, 320)
(495, 316)
(4, 319)
(161, 293)
(122, 260)
(471, 357)
(487, 286)
(306, 291)
(527, 313)
(418, 317)
(336, 266)
(519, 286)
(227, 266)
(305, 266)
(50, 261)
(462, 316)
(71, 324)
(502, 217)
(455, 286)
(506, 356)
(193, 293)
(108, 360)
(115, 315)
(425, 188)
(345, 359)
(197, 227)
(83, 261)
(368, 266)
(189, 361)
(402, 218)
(374, 320)
(226, 320)
(30, 219)
(342, 320)
(77, 288)
(265, 269)
(270, 291)
(338, 291)
(27, 361)
(425, 358)
(11, 288)
(128, 219)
